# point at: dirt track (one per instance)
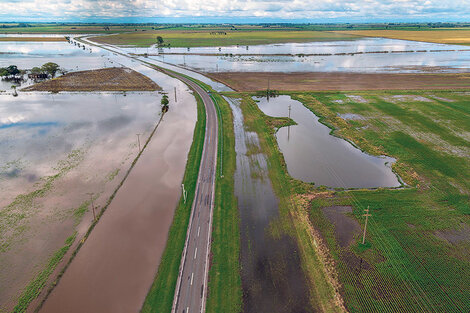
(248, 81)
(107, 79)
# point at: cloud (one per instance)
(308, 10)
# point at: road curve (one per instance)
(191, 286)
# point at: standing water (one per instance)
(312, 154)
(272, 278)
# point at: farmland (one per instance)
(108, 79)
(416, 254)
(241, 81)
(214, 38)
(447, 36)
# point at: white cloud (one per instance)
(280, 9)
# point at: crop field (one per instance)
(415, 258)
(255, 81)
(447, 36)
(214, 38)
(107, 79)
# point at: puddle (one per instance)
(346, 227)
(313, 155)
(272, 279)
(351, 116)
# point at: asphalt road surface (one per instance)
(191, 286)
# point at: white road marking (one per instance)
(192, 276)
(195, 252)
(198, 230)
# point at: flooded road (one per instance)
(271, 275)
(114, 269)
(313, 155)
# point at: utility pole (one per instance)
(184, 193)
(175, 95)
(138, 140)
(92, 204)
(289, 110)
(365, 226)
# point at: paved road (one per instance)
(191, 286)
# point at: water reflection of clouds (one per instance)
(448, 61)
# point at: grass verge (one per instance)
(225, 294)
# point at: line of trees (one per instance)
(49, 69)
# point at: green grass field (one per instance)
(212, 38)
(416, 256)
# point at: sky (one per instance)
(233, 11)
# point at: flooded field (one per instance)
(61, 152)
(363, 55)
(119, 259)
(272, 278)
(27, 55)
(312, 154)
(55, 149)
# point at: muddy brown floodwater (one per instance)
(271, 274)
(114, 269)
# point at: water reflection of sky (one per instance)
(426, 57)
(29, 54)
(41, 128)
(312, 154)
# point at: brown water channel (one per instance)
(312, 154)
(272, 278)
(115, 267)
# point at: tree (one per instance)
(36, 70)
(165, 100)
(13, 70)
(3, 72)
(50, 68)
(159, 40)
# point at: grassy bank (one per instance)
(160, 296)
(35, 286)
(293, 221)
(416, 253)
(215, 38)
(225, 293)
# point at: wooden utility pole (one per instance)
(92, 205)
(289, 110)
(365, 226)
(138, 140)
(175, 95)
(184, 193)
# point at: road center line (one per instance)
(192, 276)
(195, 252)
